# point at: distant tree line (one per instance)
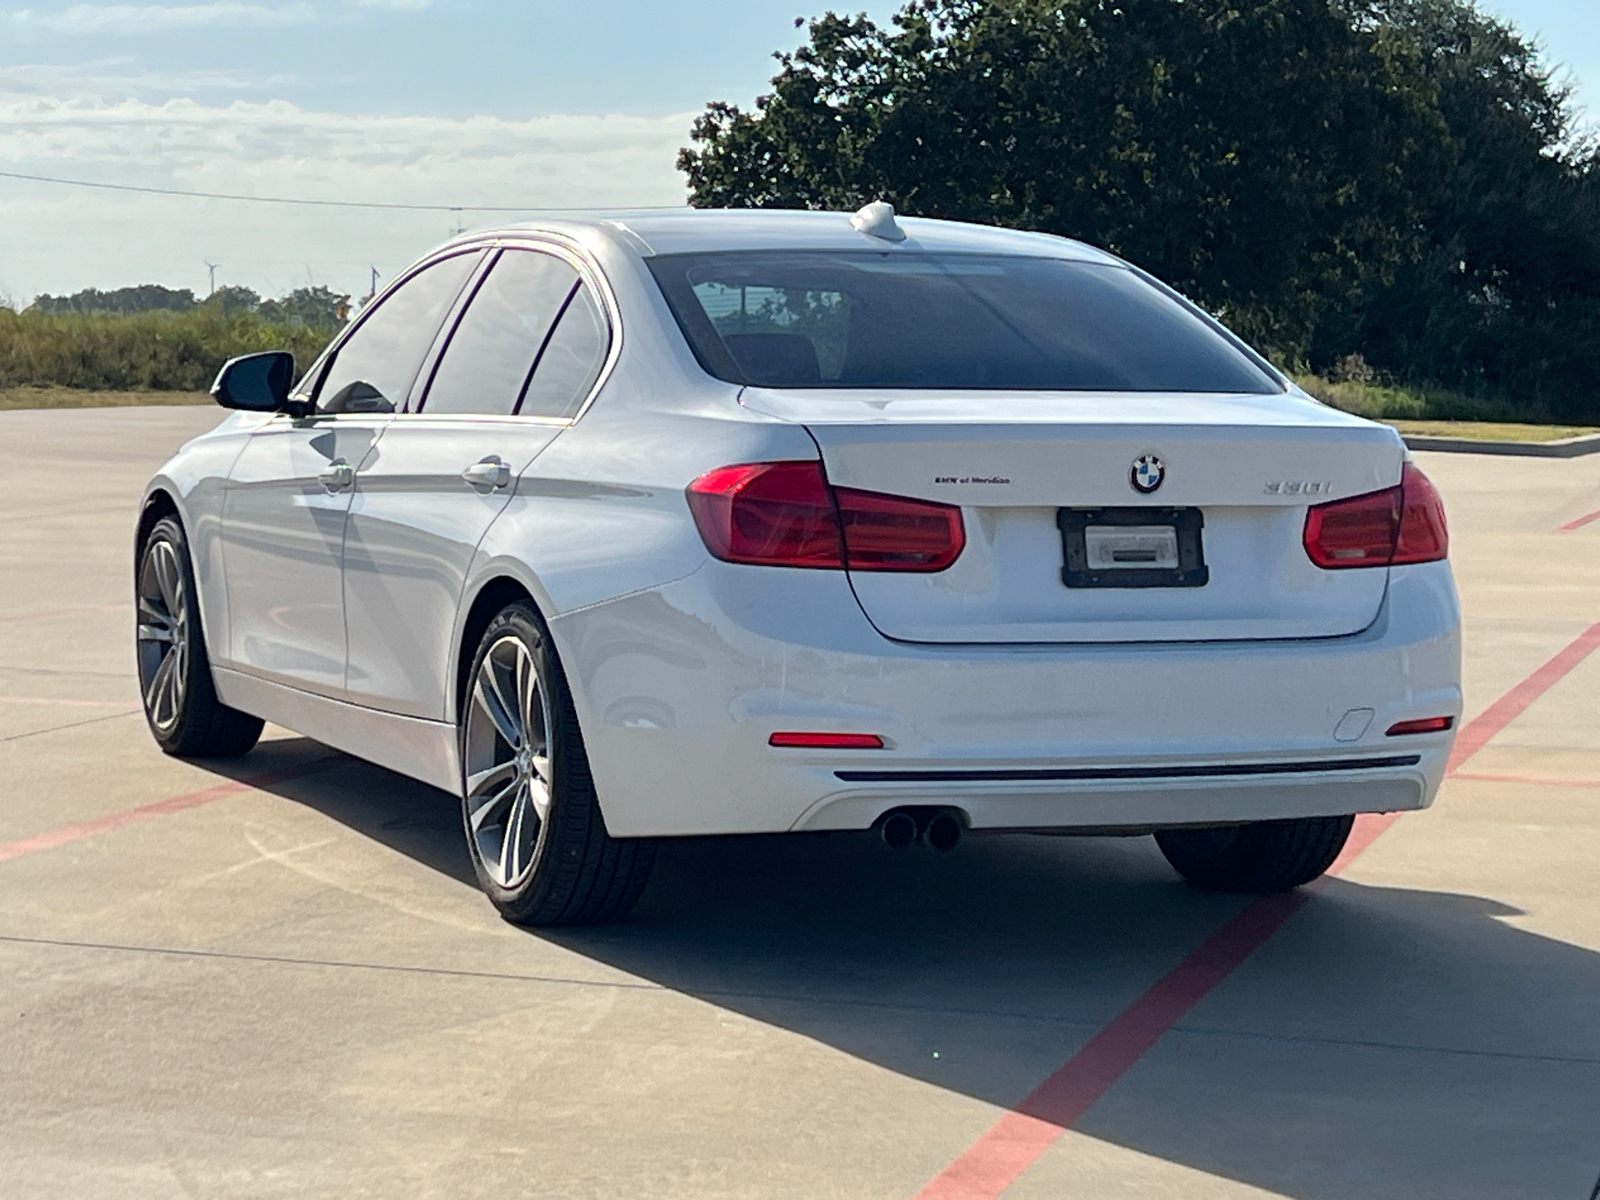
(319, 306)
(153, 338)
(1397, 184)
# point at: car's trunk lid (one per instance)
(1016, 462)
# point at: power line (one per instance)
(451, 208)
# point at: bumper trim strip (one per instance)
(1094, 774)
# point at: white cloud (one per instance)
(156, 18)
(57, 239)
(120, 77)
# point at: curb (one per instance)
(1571, 447)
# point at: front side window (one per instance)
(491, 355)
(897, 319)
(375, 366)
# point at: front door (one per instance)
(282, 544)
(288, 495)
(519, 363)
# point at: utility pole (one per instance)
(212, 267)
(460, 226)
(374, 290)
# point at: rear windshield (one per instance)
(895, 319)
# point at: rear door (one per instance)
(518, 365)
(1128, 478)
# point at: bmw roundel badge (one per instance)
(1147, 473)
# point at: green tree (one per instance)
(319, 307)
(1272, 158)
(232, 299)
(1505, 298)
(147, 297)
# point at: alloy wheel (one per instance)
(507, 762)
(163, 638)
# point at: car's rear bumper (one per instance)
(679, 688)
(1181, 798)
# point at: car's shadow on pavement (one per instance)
(1387, 1043)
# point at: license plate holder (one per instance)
(1132, 547)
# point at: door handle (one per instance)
(491, 473)
(337, 475)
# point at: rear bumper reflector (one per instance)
(828, 741)
(1093, 774)
(1424, 725)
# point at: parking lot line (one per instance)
(160, 808)
(1014, 1142)
(1476, 734)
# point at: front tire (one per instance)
(1263, 856)
(180, 700)
(538, 843)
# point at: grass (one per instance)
(1493, 431)
(64, 397)
(1436, 412)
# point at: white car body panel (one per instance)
(282, 547)
(1011, 470)
(410, 539)
(680, 686)
(418, 749)
(1242, 703)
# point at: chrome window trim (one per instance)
(589, 271)
(566, 248)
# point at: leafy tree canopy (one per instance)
(149, 297)
(1269, 158)
(316, 307)
(1391, 177)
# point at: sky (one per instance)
(449, 102)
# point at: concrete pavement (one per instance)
(295, 990)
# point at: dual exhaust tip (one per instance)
(941, 828)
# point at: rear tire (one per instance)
(180, 700)
(538, 842)
(1263, 856)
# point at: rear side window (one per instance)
(892, 319)
(491, 355)
(374, 368)
(571, 360)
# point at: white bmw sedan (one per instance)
(759, 522)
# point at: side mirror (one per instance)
(255, 382)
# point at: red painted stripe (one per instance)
(1015, 1142)
(1580, 522)
(1477, 732)
(1369, 828)
(148, 812)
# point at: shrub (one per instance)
(143, 351)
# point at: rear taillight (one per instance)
(779, 514)
(1398, 525)
(784, 514)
